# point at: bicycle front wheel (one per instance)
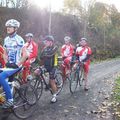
(74, 78)
(81, 76)
(58, 81)
(37, 83)
(24, 106)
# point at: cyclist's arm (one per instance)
(24, 56)
(52, 52)
(89, 52)
(62, 51)
(87, 58)
(5, 56)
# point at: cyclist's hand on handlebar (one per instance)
(11, 65)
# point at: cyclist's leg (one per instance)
(67, 64)
(53, 84)
(5, 86)
(26, 71)
(3, 75)
(86, 70)
(11, 65)
(62, 68)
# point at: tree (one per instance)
(72, 6)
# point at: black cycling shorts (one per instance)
(51, 71)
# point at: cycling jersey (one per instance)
(32, 49)
(13, 45)
(49, 55)
(83, 52)
(84, 56)
(67, 50)
(50, 59)
(2, 62)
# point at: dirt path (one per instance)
(91, 105)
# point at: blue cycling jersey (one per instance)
(13, 45)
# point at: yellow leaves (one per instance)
(2, 99)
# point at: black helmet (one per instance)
(49, 38)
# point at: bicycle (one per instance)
(41, 78)
(22, 105)
(76, 76)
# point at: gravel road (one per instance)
(90, 105)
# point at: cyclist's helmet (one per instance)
(49, 38)
(29, 35)
(67, 39)
(83, 41)
(12, 23)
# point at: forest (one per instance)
(98, 22)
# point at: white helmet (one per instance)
(83, 41)
(29, 35)
(12, 23)
(67, 38)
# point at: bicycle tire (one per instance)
(37, 83)
(81, 76)
(58, 81)
(74, 78)
(23, 108)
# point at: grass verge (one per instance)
(116, 100)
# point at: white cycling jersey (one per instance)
(13, 46)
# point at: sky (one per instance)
(57, 5)
(115, 2)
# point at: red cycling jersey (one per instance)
(67, 50)
(1, 56)
(32, 51)
(83, 52)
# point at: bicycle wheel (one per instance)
(24, 106)
(81, 76)
(59, 81)
(37, 83)
(74, 78)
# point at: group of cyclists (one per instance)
(15, 52)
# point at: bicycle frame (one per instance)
(41, 80)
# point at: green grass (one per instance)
(116, 99)
(116, 90)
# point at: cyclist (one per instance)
(67, 51)
(84, 52)
(13, 44)
(32, 51)
(2, 61)
(49, 57)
